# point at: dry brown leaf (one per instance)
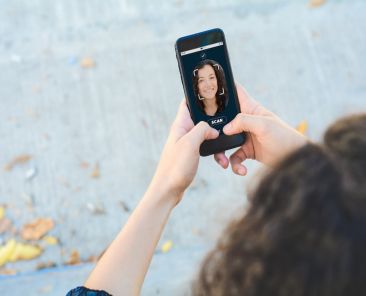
(84, 165)
(316, 3)
(93, 259)
(96, 171)
(5, 225)
(74, 258)
(87, 62)
(43, 265)
(36, 229)
(20, 159)
(8, 271)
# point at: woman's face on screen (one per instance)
(207, 82)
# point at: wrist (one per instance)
(161, 192)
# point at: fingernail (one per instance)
(241, 171)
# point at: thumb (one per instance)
(245, 123)
(201, 132)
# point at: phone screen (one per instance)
(209, 83)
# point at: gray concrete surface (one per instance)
(303, 63)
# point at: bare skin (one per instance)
(122, 268)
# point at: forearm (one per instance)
(122, 268)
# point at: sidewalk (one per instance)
(89, 91)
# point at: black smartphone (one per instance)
(209, 86)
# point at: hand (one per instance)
(179, 160)
(268, 137)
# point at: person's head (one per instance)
(209, 84)
(304, 232)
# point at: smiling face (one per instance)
(207, 82)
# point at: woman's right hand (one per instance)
(268, 137)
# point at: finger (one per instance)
(201, 132)
(221, 159)
(183, 111)
(183, 122)
(236, 160)
(246, 123)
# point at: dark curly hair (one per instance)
(304, 232)
(221, 98)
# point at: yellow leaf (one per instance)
(167, 246)
(51, 240)
(316, 3)
(2, 212)
(24, 252)
(6, 251)
(87, 62)
(302, 127)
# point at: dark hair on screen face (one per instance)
(221, 99)
(304, 232)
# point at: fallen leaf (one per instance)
(7, 271)
(20, 159)
(51, 240)
(96, 171)
(302, 127)
(316, 3)
(43, 265)
(24, 252)
(6, 251)
(74, 258)
(5, 225)
(84, 165)
(36, 229)
(167, 246)
(92, 258)
(87, 62)
(2, 212)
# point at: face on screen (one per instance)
(209, 87)
(208, 83)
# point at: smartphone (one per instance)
(209, 86)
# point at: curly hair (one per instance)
(304, 232)
(221, 97)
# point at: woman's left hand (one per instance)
(179, 160)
